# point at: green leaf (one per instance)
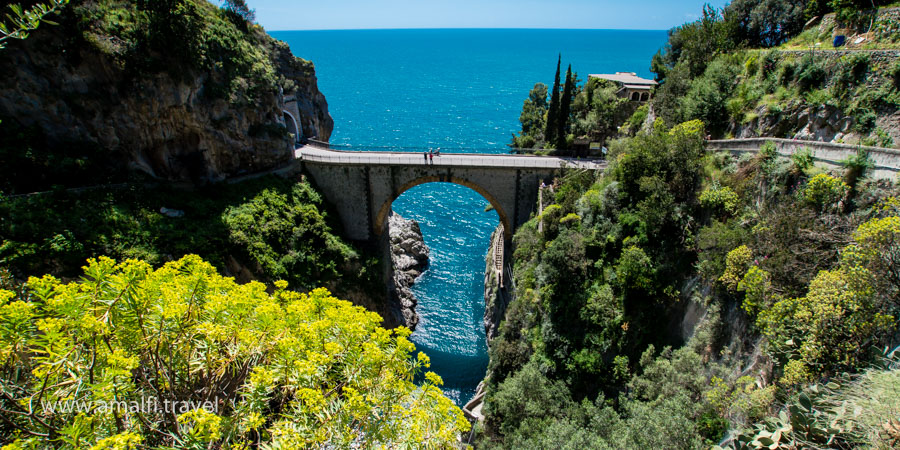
(805, 402)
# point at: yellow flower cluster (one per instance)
(289, 369)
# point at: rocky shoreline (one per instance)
(409, 258)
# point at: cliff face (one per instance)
(171, 116)
(409, 258)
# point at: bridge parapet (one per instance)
(316, 152)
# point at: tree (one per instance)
(240, 8)
(765, 23)
(533, 111)
(553, 112)
(565, 106)
(181, 357)
(22, 21)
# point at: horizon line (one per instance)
(467, 28)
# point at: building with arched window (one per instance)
(631, 86)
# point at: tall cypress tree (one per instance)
(553, 111)
(565, 105)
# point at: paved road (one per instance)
(317, 154)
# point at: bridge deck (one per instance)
(329, 156)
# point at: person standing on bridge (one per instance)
(431, 157)
(425, 154)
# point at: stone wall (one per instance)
(886, 160)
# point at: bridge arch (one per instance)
(384, 211)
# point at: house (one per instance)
(631, 86)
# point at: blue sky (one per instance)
(362, 14)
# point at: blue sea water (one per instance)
(458, 90)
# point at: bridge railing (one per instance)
(338, 156)
(511, 151)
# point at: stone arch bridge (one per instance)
(362, 185)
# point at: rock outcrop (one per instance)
(173, 118)
(409, 258)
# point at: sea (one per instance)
(457, 90)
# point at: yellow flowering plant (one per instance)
(180, 356)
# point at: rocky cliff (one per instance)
(194, 95)
(409, 258)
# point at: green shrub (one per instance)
(864, 120)
(786, 73)
(720, 197)
(802, 159)
(637, 119)
(824, 192)
(832, 328)
(810, 74)
(883, 139)
(286, 234)
(857, 166)
(182, 357)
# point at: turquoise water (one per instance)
(460, 90)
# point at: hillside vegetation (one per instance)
(790, 274)
(746, 72)
(684, 299)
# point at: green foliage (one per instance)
(635, 270)
(22, 21)
(240, 8)
(706, 99)
(765, 23)
(721, 198)
(802, 160)
(757, 289)
(185, 38)
(565, 110)
(532, 117)
(276, 228)
(736, 264)
(287, 235)
(598, 110)
(846, 412)
(894, 73)
(281, 368)
(825, 192)
(714, 242)
(829, 330)
(552, 125)
(810, 73)
(637, 119)
(876, 247)
(856, 166)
